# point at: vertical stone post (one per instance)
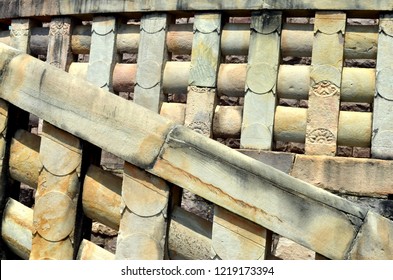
(152, 55)
(59, 43)
(103, 53)
(325, 85)
(229, 230)
(260, 101)
(20, 34)
(58, 182)
(382, 137)
(102, 60)
(145, 197)
(19, 39)
(56, 196)
(143, 224)
(324, 94)
(260, 98)
(205, 60)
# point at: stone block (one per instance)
(152, 55)
(364, 177)
(260, 97)
(374, 240)
(281, 161)
(235, 238)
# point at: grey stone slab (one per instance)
(152, 55)
(103, 54)
(382, 139)
(374, 241)
(262, 70)
(364, 177)
(12, 8)
(278, 160)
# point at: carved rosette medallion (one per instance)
(59, 28)
(321, 136)
(325, 89)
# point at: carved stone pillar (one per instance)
(56, 196)
(152, 55)
(382, 140)
(145, 197)
(58, 182)
(324, 95)
(260, 99)
(103, 54)
(205, 60)
(142, 232)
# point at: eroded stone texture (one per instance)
(17, 227)
(345, 175)
(87, 119)
(200, 109)
(59, 43)
(382, 142)
(235, 238)
(20, 31)
(206, 55)
(374, 241)
(189, 236)
(145, 198)
(23, 8)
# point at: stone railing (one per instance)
(169, 146)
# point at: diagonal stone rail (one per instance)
(317, 219)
